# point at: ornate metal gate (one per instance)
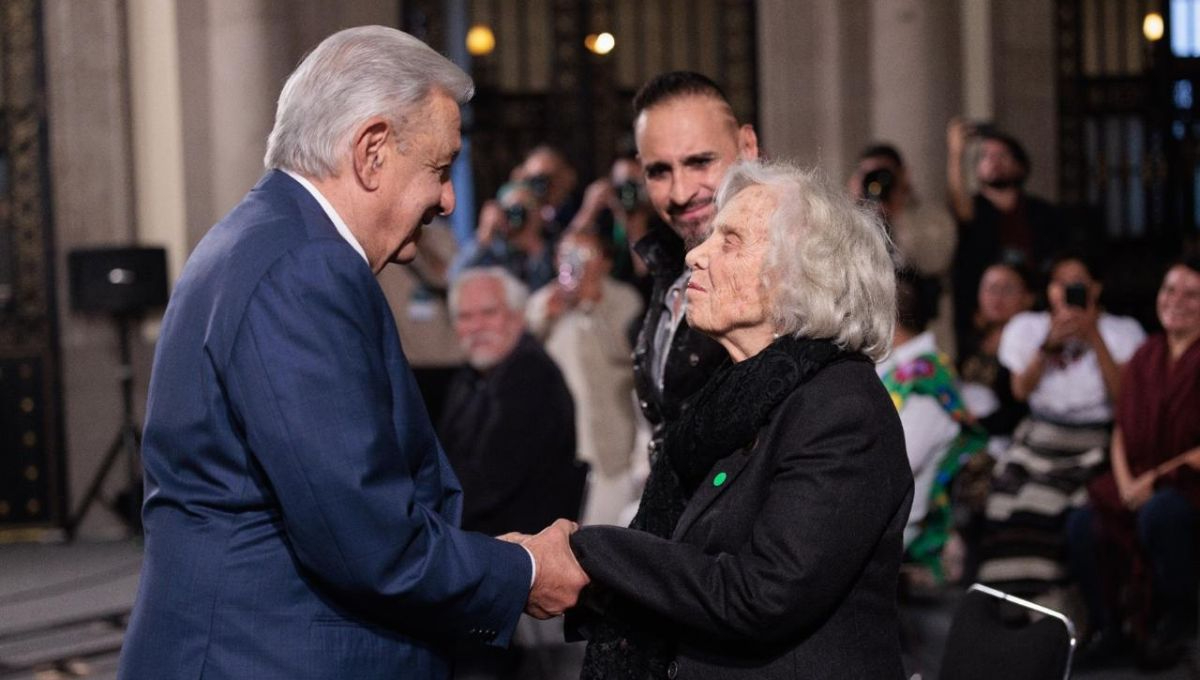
(32, 479)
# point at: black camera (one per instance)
(1076, 295)
(878, 184)
(515, 215)
(629, 193)
(539, 185)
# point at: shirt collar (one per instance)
(342, 229)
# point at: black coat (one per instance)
(789, 567)
(510, 436)
(692, 357)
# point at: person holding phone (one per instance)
(582, 319)
(1066, 363)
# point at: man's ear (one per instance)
(371, 144)
(747, 143)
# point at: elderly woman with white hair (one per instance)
(778, 503)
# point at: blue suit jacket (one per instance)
(300, 514)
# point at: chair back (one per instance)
(995, 635)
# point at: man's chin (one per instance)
(692, 233)
(406, 254)
(483, 361)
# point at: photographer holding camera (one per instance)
(581, 318)
(924, 234)
(510, 235)
(617, 208)
(1000, 222)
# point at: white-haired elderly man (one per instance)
(508, 424)
(300, 515)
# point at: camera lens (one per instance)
(540, 184)
(515, 215)
(627, 194)
(877, 185)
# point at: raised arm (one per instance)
(956, 141)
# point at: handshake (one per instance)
(559, 577)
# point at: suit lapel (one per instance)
(711, 488)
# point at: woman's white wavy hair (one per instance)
(350, 77)
(828, 272)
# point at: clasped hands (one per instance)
(559, 577)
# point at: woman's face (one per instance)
(726, 298)
(1179, 302)
(1002, 294)
(1066, 274)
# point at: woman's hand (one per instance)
(1065, 324)
(1135, 493)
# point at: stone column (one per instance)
(813, 81)
(1026, 103)
(916, 84)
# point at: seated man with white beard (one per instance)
(508, 426)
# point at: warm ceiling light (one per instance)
(601, 44)
(480, 40)
(1152, 26)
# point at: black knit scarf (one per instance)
(724, 416)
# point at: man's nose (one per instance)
(682, 189)
(447, 199)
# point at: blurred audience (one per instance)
(582, 318)
(940, 435)
(554, 182)
(508, 426)
(511, 235)
(1002, 220)
(1065, 363)
(618, 209)
(1004, 291)
(1134, 546)
(923, 233)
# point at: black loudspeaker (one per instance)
(125, 281)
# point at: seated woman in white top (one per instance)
(1066, 362)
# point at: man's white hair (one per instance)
(516, 294)
(828, 272)
(350, 77)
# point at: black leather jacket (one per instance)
(692, 356)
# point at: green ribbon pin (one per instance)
(720, 478)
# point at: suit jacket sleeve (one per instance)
(828, 505)
(312, 384)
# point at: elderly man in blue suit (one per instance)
(300, 515)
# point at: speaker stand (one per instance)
(127, 443)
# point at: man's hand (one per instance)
(559, 578)
(492, 222)
(957, 133)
